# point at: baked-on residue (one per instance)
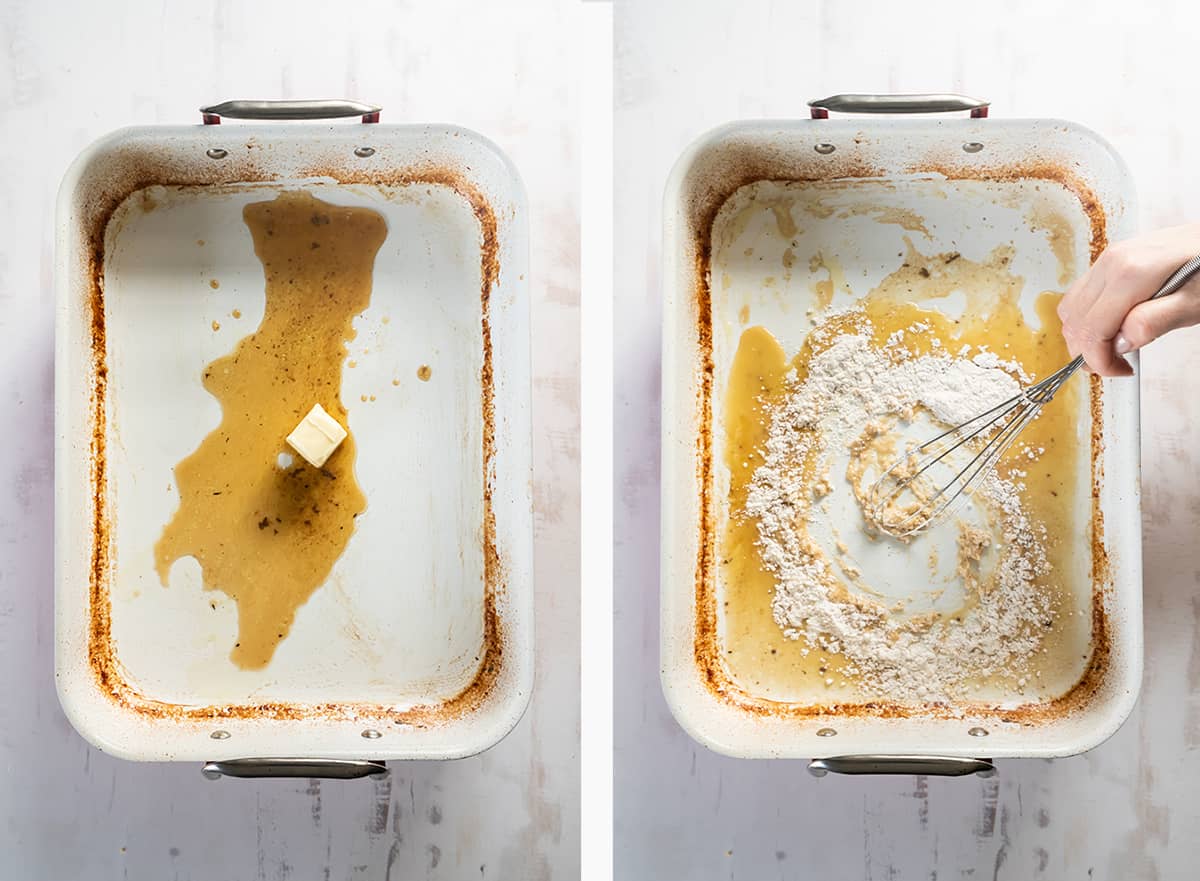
(716, 182)
(132, 169)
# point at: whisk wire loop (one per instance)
(999, 427)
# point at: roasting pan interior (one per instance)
(400, 619)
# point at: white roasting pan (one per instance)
(419, 645)
(968, 178)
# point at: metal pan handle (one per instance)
(923, 103)
(335, 769)
(939, 766)
(285, 110)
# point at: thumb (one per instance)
(1148, 321)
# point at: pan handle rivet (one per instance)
(824, 149)
(364, 152)
(216, 153)
(978, 732)
(371, 734)
(972, 147)
(219, 735)
(826, 732)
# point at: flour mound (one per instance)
(849, 386)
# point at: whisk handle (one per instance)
(1179, 278)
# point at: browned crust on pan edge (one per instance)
(719, 181)
(131, 169)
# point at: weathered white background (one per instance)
(70, 72)
(1131, 808)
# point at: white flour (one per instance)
(849, 385)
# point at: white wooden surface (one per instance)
(1131, 808)
(71, 72)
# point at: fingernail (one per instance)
(1122, 345)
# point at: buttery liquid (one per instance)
(758, 657)
(267, 535)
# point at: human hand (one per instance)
(1105, 313)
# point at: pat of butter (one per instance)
(317, 436)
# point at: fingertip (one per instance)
(1150, 320)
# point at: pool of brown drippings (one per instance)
(717, 177)
(268, 536)
(133, 168)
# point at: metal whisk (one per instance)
(914, 493)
